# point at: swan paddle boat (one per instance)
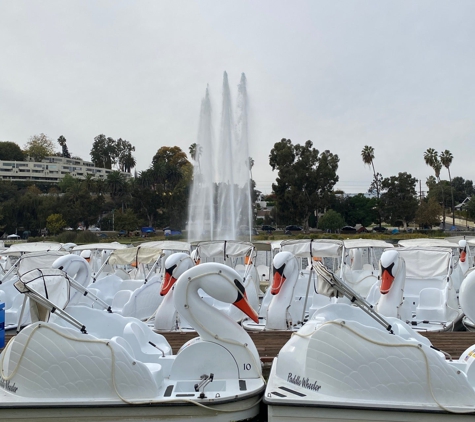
(50, 371)
(293, 294)
(22, 258)
(166, 317)
(421, 293)
(348, 363)
(360, 263)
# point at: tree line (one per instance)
(303, 192)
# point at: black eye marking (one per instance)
(170, 270)
(389, 269)
(240, 288)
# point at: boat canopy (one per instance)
(138, 255)
(170, 245)
(100, 246)
(224, 248)
(366, 243)
(307, 248)
(20, 248)
(426, 242)
(426, 263)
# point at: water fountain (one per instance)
(220, 199)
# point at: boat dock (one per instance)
(269, 343)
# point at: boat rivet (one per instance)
(134, 363)
(458, 372)
(343, 322)
(420, 345)
(186, 306)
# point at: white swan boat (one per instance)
(422, 291)
(49, 371)
(360, 263)
(349, 364)
(22, 258)
(293, 294)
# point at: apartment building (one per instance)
(51, 169)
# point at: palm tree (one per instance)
(431, 158)
(446, 158)
(367, 154)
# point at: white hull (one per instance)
(232, 411)
(337, 414)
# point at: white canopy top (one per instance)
(224, 248)
(366, 243)
(34, 260)
(169, 245)
(100, 246)
(138, 255)
(20, 248)
(305, 248)
(424, 262)
(427, 242)
(267, 245)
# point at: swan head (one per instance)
(389, 265)
(175, 265)
(284, 265)
(86, 254)
(463, 250)
(219, 281)
(195, 257)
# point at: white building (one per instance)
(51, 169)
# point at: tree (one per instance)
(428, 213)
(470, 208)
(367, 154)
(55, 223)
(446, 158)
(305, 180)
(124, 155)
(64, 148)
(399, 199)
(331, 221)
(126, 220)
(431, 158)
(39, 147)
(10, 151)
(103, 152)
(462, 189)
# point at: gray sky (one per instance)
(396, 75)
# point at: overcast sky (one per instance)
(395, 75)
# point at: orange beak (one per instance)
(386, 281)
(244, 306)
(167, 284)
(463, 255)
(277, 283)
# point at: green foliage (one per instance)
(428, 213)
(357, 209)
(39, 147)
(399, 200)
(107, 152)
(55, 223)
(470, 207)
(126, 220)
(64, 148)
(10, 151)
(331, 221)
(305, 180)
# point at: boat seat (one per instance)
(120, 299)
(155, 368)
(263, 271)
(431, 305)
(139, 342)
(124, 343)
